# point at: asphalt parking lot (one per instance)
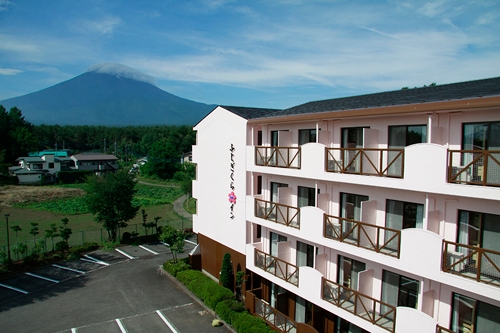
(105, 291)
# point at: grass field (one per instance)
(38, 204)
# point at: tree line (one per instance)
(164, 145)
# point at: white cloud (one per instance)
(10, 71)
(103, 26)
(123, 71)
(4, 5)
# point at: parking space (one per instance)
(186, 318)
(42, 277)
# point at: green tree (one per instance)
(34, 231)
(51, 233)
(163, 160)
(226, 272)
(16, 134)
(173, 239)
(64, 231)
(109, 198)
(16, 229)
(185, 177)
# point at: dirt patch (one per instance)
(10, 195)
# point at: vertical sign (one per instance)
(231, 195)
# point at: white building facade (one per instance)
(373, 213)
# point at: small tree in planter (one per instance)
(174, 239)
(226, 272)
(240, 279)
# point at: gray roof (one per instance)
(94, 157)
(445, 92)
(31, 159)
(250, 113)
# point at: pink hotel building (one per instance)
(372, 213)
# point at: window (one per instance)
(398, 290)
(352, 137)
(306, 196)
(472, 316)
(259, 138)
(51, 165)
(403, 215)
(303, 311)
(306, 136)
(275, 239)
(349, 272)
(274, 190)
(274, 138)
(479, 229)
(305, 254)
(481, 136)
(351, 205)
(402, 136)
(259, 184)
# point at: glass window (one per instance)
(402, 136)
(274, 190)
(398, 290)
(275, 239)
(351, 205)
(344, 326)
(473, 316)
(306, 136)
(306, 196)
(403, 215)
(352, 137)
(481, 136)
(479, 229)
(305, 254)
(274, 138)
(348, 274)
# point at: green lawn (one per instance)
(156, 200)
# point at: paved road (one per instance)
(108, 292)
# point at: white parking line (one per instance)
(120, 324)
(42, 277)
(125, 254)
(69, 269)
(94, 262)
(14, 288)
(149, 250)
(165, 320)
(100, 262)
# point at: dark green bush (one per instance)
(244, 322)
(187, 276)
(61, 246)
(175, 268)
(87, 247)
(227, 308)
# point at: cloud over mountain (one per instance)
(121, 71)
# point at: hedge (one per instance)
(218, 298)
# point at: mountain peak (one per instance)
(120, 70)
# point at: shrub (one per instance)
(87, 247)
(244, 322)
(227, 308)
(175, 268)
(61, 246)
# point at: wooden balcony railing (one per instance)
(282, 214)
(281, 157)
(375, 238)
(277, 267)
(273, 317)
(475, 167)
(366, 161)
(472, 262)
(376, 312)
(440, 329)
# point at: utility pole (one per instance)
(104, 145)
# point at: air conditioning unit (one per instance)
(453, 258)
(464, 175)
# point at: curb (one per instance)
(193, 296)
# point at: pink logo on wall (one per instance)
(232, 197)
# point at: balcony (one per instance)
(471, 262)
(280, 157)
(282, 214)
(375, 238)
(366, 161)
(277, 267)
(376, 312)
(474, 167)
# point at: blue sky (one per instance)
(273, 53)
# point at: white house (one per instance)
(372, 213)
